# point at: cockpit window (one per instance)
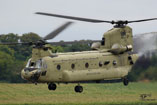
(34, 64)
(28, 63)
(38, 63)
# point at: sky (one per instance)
(17, 16)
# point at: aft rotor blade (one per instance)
(54, 33)
(75, 18)
(142, 20)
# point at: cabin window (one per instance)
(100, 64)
(131, 62)
(86, 65)
(129, 58)
(103, 41)
(106, 62)
(58, 67)
(114, 62)
(72, 66)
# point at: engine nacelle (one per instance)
(95, 45)
(118, 49)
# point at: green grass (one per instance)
(93, 94)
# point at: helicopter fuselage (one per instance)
(85, 66)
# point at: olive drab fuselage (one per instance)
(110, 61)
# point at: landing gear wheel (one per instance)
(52, 86)
(125, 81)
(79, 89)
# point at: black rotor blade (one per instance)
(93, 20)
(74, 42)
(142, 20)
(54, 33)
(10, 43)
(16, 43)
(75, 18)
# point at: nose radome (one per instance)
(25, 74)
(30, 75)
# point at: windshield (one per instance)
(38, 63)
(34, 64)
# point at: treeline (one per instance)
(145, 69)
(13, 58)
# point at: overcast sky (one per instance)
(17, 16)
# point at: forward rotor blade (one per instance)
(10, 43)
(75, 18)
(23, 43)
(54, 33)
(74, 42)
(142, 20)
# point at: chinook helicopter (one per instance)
(110, 59)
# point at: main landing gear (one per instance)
(52, 86)
(78, 89)
(125, 81)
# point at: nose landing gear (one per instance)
(52, 86)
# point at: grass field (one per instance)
(93, 94)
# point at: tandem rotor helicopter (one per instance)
(110, 58)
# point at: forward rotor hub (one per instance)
(40, 43)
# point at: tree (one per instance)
(9, 38)
(76, 47)
(144, 68)
(30, 37)
(12, 57)
(6, 62)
